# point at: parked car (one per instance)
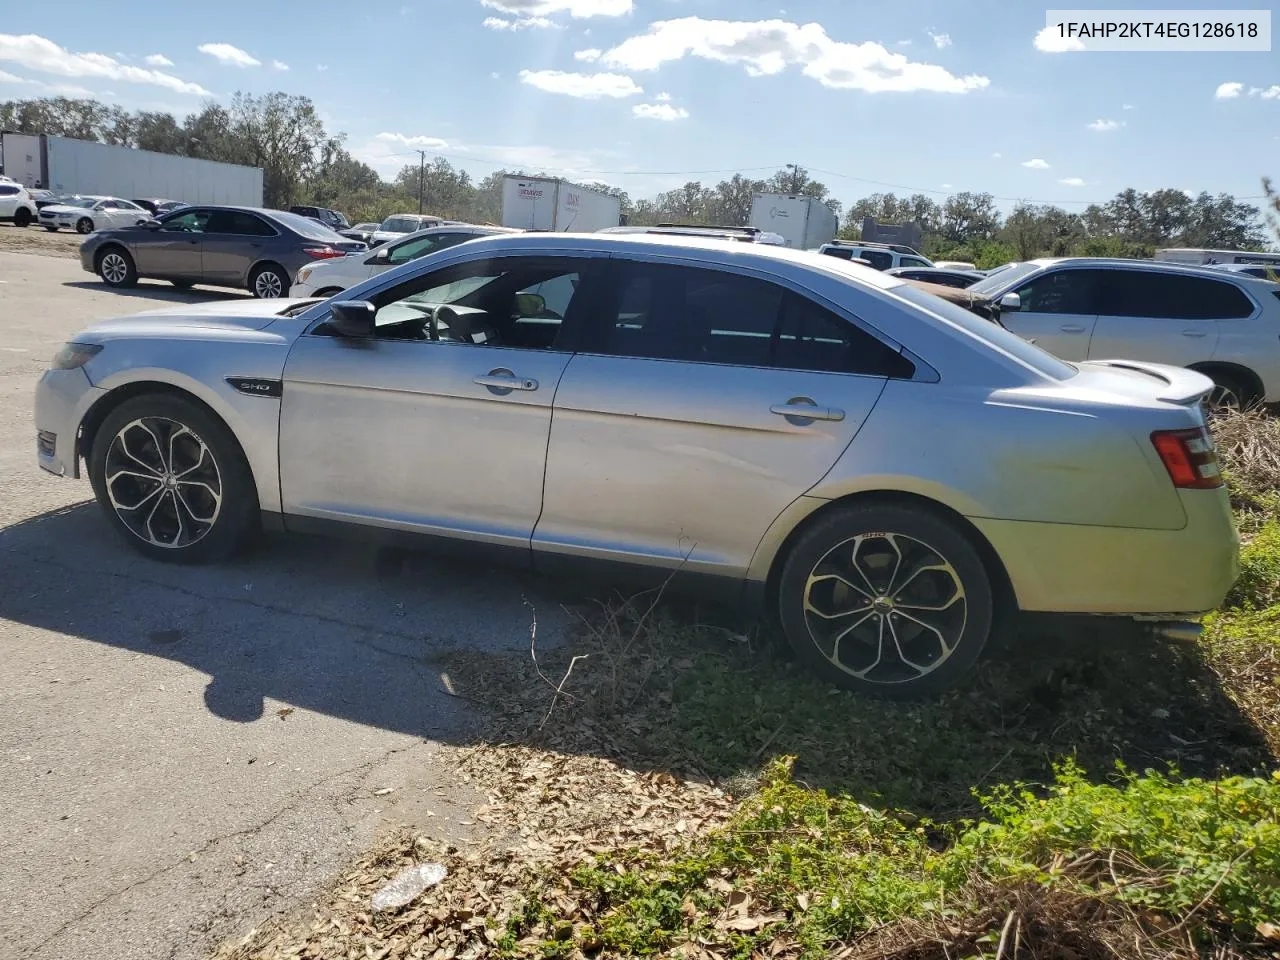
(1220, 323)
(1261, 271)
(87, 214)
(886, 472)
(882, 256)
(945, 278)
(396, 225)
(16, 205)
(329, 277)
(955, 265)
(245, 247)
(741, 234)
(361, 231)
(157, 206)
(330, 218)
(47, 198)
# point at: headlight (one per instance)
(303, 274)
(74, 355)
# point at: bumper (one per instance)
(86, 259)
(1064, 568)
(302, 290)
(63, 397)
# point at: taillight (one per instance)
(323, 253)
(1190, 457)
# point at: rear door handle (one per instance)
(1193, 333)
(802, 408)
(504, 381)
(1072, 328)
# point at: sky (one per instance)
(931, 96)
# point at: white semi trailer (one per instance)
(65, 165)
(556, 206)
(804, 223)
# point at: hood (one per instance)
(216, 319)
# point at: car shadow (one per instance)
(161, 290)
(414, 643)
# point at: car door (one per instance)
(125, 213)
(1058, 311)
(173, 251)
(443, 436)
(1165, 317)
(234, 240)
(702, 404)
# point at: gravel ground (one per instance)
(64, 243)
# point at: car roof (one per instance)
(1158, 266)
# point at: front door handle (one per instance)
(1072, 328)
(802, 408)
(504, 381)
(1193, 333)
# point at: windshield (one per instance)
(1004, 277)
(997, 336)
(79, 203)
(400, 224)
(305, 226)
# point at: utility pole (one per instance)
(422, 170)
(795, 176)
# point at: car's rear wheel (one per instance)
(173, 480)
(268, 282)
(52, 229)
(1231, 391)
(84, 225)
(327, 292)
(116, 268)
(22, 217)
(886, 599)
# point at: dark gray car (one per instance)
(246, 247)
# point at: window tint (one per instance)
(413, 249)
(192, 221)
(8, 191)
(844, 253)
(705, 316)
(913, 262)
(1059, 291)
(237, 223)
(877, 258)
(1149, 293)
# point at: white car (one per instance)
(87, 214)
(882, 256)
(1221, 323)
(16, 205)
(954, 265)
(333, 276)
(399, 224)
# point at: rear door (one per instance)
(173, 251)
(1165, 317)
(234, 240)
(701, 405)
(1058, 312)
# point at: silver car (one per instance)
(885, 472)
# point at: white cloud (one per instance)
(589, 86)
(1049, 40)
(578, 9)
(279, 65)
(321, 67)
(904, 43)
(1228, 91)
(589, 56)
(940, 40)
(945, 186)
(1127, 106)
(663, 97)
(416, 142)
(495, 75)
(1036, 164)
(1105, 126)
(6, 77)
(767, 47)
(524, 23)
(229, 56)
(44, 56)
(157, 60)
(659, 111)
(996, 156)
(1071, 182)
(1271, 93)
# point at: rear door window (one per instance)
(237, 223)
(1171, 296)
(879, 259)
(1060, 291)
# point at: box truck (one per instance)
(804, 223)
(556, 206)
(64, 165)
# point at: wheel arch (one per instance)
(268, 262)
(1001, 584)
(111, 245)
(1236, 371)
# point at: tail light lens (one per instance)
(323, 253)
(1190, 457)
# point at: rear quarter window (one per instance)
(7, 190)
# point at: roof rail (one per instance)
(748, 231)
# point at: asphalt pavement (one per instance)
(186, 750)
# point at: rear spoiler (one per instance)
(1182, 386)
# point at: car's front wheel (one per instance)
(84, 225)
(173, 480)
(22, 217)
(116, 268)
(52, 229)
(268, 282)
(887, 599)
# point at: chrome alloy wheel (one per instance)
(885, 608)
(163, 482)
(114, 269)
(268, 285)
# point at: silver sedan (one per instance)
(883, 471)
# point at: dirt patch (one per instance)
(39, 240)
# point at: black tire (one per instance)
(22, 217)
(328, 292)
(1231, 391)
(84, 225)
(52, 229)
(182, 284)
(181, 426)
(949, 576)
(116, 268)
(269, 281)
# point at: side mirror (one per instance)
(530, 305)
(382, 255)
(151, 224)
(352, 318)
(1011, 302)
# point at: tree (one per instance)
(969, 216)
(733, 199)
(283, 135)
